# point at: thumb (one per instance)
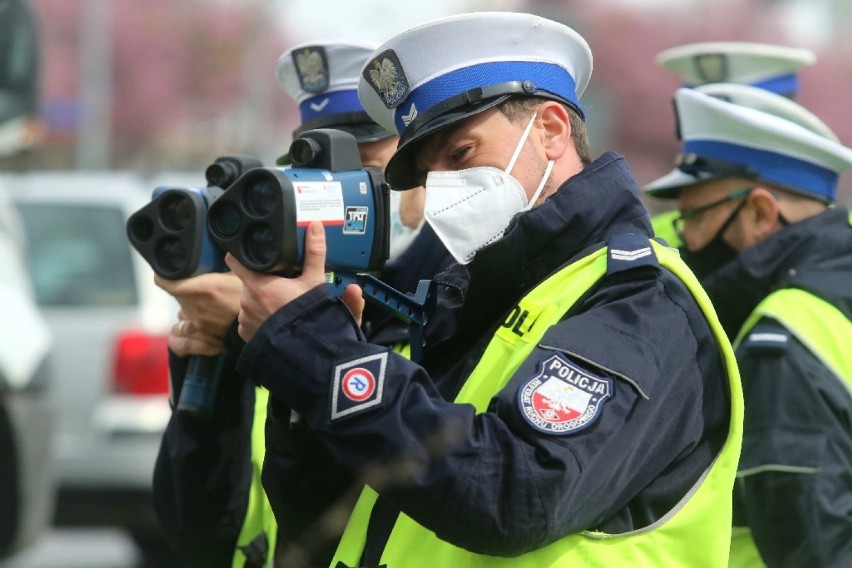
(314, 262)
(353, 297)
(237, 267)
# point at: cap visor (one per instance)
(401, 171)
(670, 185)
(369, 132)
(364, 132)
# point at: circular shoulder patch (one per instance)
(358, 384)
(562, 398)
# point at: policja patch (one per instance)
(563, 398)
(384, 73)
(711, 67)
(312, 68)
(358, 385)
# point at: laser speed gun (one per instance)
(263, 217)
(170, 233)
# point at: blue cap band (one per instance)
(338, 102)
(546, 76)
(787, 85)
(782, 169)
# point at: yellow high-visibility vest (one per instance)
(827, 334)
(695, 533)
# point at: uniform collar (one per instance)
(813, 254)
(599, 201)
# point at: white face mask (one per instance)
(469, 209)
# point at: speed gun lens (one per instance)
(170, 233)
(228, 221)
(261, 245)
(176, 211)
(261, 197)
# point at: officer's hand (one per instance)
(264, 294)
(211, 301)
(185, 339)
(209, 305)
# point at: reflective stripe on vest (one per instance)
(827, 333)
(259, 520)
(695, 533)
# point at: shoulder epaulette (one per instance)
(629, 251)
(768, 336)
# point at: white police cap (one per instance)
(448, 69)
(322, 77)
(769, 67)
(737, 130)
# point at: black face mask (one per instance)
(716, 253)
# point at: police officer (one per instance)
(770, 67)
(756, 189)
(207, 488)
(577, 401)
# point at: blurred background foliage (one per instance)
(162, 85)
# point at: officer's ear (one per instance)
(555, 133)
(762, 213)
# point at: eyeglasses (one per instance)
(678, 222)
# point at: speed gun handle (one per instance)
(413, 310)
(200, 386)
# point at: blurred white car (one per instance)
(110, 325)
(27, 490)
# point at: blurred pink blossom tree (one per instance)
(638, 92)
(187, 79)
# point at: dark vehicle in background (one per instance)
(110, 325)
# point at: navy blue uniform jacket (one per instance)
(494, 482)
(794, 486)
